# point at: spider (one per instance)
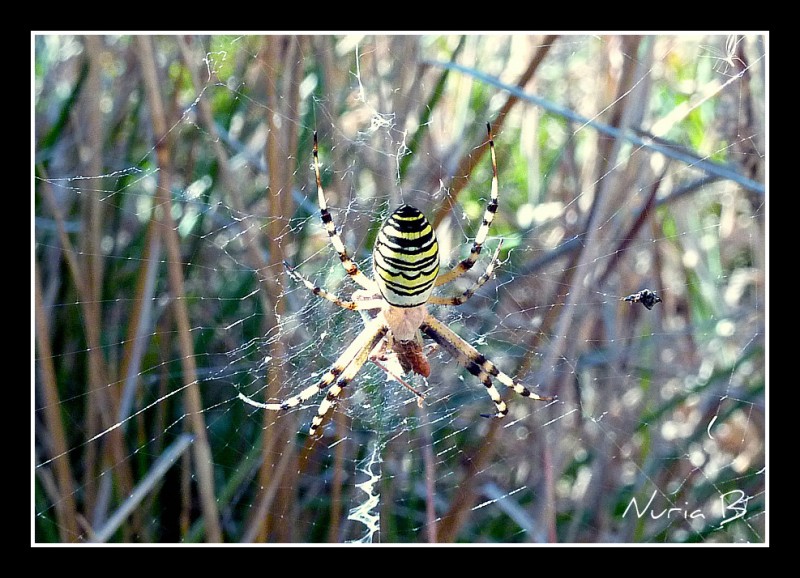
(406, 270)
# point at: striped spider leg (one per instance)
(483, 231)
(405, 272)
(327, 221)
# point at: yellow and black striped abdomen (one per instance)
(406, 258)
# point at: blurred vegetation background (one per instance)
(173, 178)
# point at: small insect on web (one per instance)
(645, 297)
(406, 271)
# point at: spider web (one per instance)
(625, 164)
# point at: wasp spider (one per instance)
(406, 270)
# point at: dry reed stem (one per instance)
(270, 289)
(102, 397)
(203, 460)
(66, 509)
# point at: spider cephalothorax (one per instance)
(405, 272)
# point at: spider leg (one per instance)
(367, 340)
(349, 265)
(320, 292)
(476, 363)
(480, 237)
(459, 299)
(346, 366)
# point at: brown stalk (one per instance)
(270, 289)
(136, 341)
(282, 61)
(66, 509)
(203, 460)
(93, 208)
(641, 218)
(98, 412)
(267, 497)
(107, 396)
